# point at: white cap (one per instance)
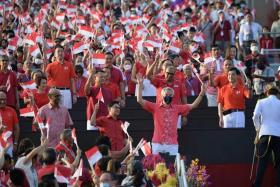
(278, 68)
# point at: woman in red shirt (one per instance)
(38, 97)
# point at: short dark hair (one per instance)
(273, 91)
(49, 156)
(17, 177)
(103, 140)
(58, 46)
(109, 53)
(24, 145)
(103, 162)
(192, 29)
(39, 79)
(79, 68)
(103, 149)
(113, 103)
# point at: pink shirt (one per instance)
(57, 119)
(218, 64)
(165, 121)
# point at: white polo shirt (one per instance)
(267, 116)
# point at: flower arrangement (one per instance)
(197, 175)
(164, 176)
(158, 172)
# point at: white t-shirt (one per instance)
(29, 171)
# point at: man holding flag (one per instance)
(55, 117)
(111, 126)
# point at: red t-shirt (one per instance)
(114, 89)
(103, 106)
(112, 128)
(116, 75)
(140, 69)
(40, 99)
(9, 80)
(80, 85)
(9, 117)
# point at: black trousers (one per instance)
(265, 147)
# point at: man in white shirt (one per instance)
(249, 31)
(267, 123)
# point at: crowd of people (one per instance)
(53, 52)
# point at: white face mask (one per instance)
(103, 184)
(127, 67)
(254, 48)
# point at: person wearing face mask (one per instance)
(251, 60)
(249, 31)
(262, 76)
(165, 115)
(55, 117)
(130, 85)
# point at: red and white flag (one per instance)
(29, 85)
(79, 171)
(93, 155)
(146, 148)
(34, 50)
(27, 112)
(99, 96)
(14, 43)
(79, 47)
(30, 40)
(86, 31)
(240, 65)
(74, 136)
(60, 177)
(98, 58)
(125, 127)
(155, 42)
(175, 46)
(60, 17)
(56, 24)
(40, 122)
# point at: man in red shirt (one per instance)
(222, 80)
(9, 119)
(165, 116)
(110, 125)
(97, 92)
(222, 32)
(116, 75)
(61, 75)
(231, 102)
(9, 83)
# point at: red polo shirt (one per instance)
(103, 107)
(233, 97)
(165, 121)
(59, 75)
(114, 88)
(179, 88)
(112, 128)
(116, 75)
